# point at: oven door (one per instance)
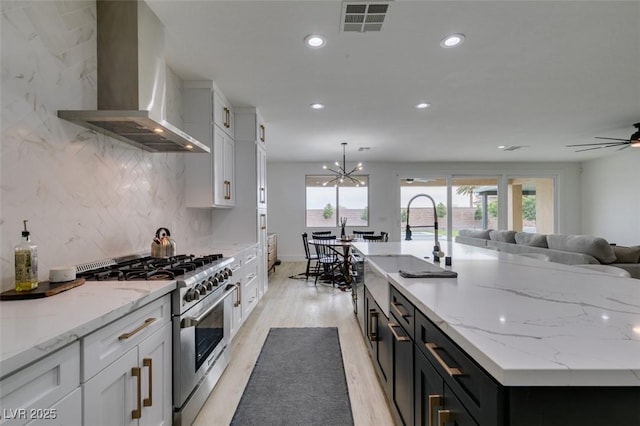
(200, 335)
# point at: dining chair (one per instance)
(308, 255)
(361, 233)
(329, 262)
(385, 236)
(373, 238)
(314, 233)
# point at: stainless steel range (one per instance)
(201, 314)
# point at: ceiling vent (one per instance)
(363, 16)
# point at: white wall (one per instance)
(87, 197)
(286, 194)
(611, 197)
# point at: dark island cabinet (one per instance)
(378, 339)
(401, 324)
(434, 402)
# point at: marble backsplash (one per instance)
(86, 196)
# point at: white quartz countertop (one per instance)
(529, 322)
(31, 329)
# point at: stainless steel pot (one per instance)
(162, 245)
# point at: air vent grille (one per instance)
(363, 16)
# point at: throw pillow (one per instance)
(627, 254)
(531, 239)
(503, 236)
(475, 234)
(585, 244)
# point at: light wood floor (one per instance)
(296, 303)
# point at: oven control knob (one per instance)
(229, 271)
(215, 281)
(201, 289)
(210, 284)
(220, 277)
(225, 274)
(191, 295)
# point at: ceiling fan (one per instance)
(633, 141)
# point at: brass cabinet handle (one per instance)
(434, 401)
(398, 338)
(148, 362)
(452, 371)
(373, 335)
(137, 413)
(227, 122)
(262, 133)
(238, 293)
(397, 307)
(444, 416)
(262, 195)
(146, 324)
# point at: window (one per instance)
(478, 207)
(421, 214)
(326, 204)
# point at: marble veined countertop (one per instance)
(529, 322)
(31, 329)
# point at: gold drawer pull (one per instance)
(445, 416)
(434, 401)
(452, 371)
(137, 413)
(144, 325)
(392, 327)
(148, 362)
(397, 307)
(262, 133)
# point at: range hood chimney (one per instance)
(132, 81)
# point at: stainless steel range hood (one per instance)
(132, 81)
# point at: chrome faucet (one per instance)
(437, 252)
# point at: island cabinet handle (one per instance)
(237, 303)
(444, 417)
(142, 326)
(452, 371)
(373, 335)
(148, 362)
(397, 306)
(434, 401)
(398, 338)
(137, 413)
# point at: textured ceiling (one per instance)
(539, 74)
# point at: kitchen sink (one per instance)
(395, 262)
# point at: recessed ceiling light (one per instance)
(317, 106)
(452, 40)
(423, 105)
(315, 41)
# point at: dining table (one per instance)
(342, 247)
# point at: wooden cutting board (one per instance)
(45, 289)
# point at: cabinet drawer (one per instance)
(403, 311)
(107, 344)
(474, 387)
(42, 384)
(250, 255)
(249, 295)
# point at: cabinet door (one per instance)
(385, 350)
(229, 171)
(402, 373)
(219, 183)
(222, 114)
(453, 412)
(111, 397)
(428, 391)
(67, 411)
(154, 357)
(262, 177)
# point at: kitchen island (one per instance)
(533, 327)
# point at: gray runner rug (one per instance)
(298, 380)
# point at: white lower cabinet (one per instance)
(135, 388)
(46, 392)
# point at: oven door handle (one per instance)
(192, 322)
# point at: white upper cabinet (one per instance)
(209, 179)
(250, 127)
(223, 114)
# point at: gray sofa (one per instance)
(567, 249)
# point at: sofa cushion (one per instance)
(531, 239)
(586, 244)
(475, 234)
(503, 236)
(627, 254)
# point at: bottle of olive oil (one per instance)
(26, 256)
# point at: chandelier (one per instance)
(341, 174)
